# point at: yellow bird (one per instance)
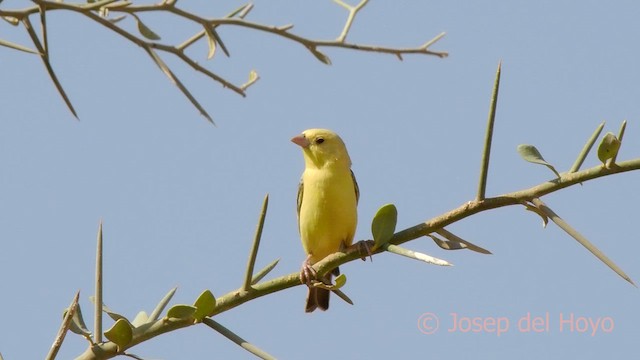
(327, 205)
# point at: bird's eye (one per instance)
(319, 140)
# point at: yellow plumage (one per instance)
(327, 204)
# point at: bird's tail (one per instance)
(318, 298)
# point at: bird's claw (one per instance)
(307, 272)
(363, 248)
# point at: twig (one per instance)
(353, 11)
(64, 327)
(95, 10)
(45, 59)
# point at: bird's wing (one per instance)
(300, 193)
(355, 185)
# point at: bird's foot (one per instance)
(307, 272)
(363, 248)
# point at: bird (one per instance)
(327, 203)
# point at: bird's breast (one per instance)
(328, 213)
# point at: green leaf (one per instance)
(340, 280)
(205, 304)
(120, 333)
(253, 77)
(141, 318)
(181, 312)
(608, 148)
(146, 32)
(77, 323)
(531, 154)
(384, 224)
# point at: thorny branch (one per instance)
(240, 296)
(103, 12)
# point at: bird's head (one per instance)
(322, 147)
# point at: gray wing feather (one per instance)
(355, 185)
(300, 193)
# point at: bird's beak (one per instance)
(301, 141)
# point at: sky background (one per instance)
(180, 198)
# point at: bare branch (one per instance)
(99, 12)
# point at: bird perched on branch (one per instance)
(327, 206)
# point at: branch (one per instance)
(100, 11)
(240, 296)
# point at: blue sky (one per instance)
(180, 198)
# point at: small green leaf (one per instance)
(181, 312)
(384, 224)
(77, 323)
(253, 77)
(340, 280)
(608, 148)
(146, 32)
(120, 333)
(141, 318)
(205, 304)
(531, 154)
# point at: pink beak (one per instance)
(301, 141)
